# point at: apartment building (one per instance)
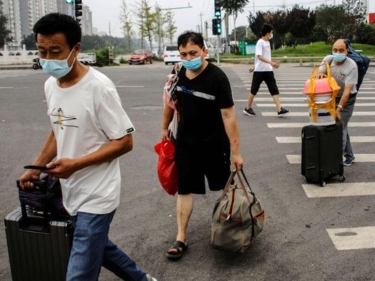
(22, 15)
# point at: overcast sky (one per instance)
(106, 13)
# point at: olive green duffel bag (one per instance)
(238, 216)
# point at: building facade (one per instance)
(23, 14)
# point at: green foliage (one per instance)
(4, 32)
(319, 49)
(29, 42)
(102, 57)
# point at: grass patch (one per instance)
(317, 49)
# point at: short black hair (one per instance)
(59, 23)
(266, 28)
(192, 37)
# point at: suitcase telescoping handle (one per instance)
(330, 128)
(38, 185)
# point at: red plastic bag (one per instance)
(166, 168)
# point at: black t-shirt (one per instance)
(199, 101)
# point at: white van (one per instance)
(171, 54)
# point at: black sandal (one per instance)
(177, 250)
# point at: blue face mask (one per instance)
(193, 64)
(57, 68)
(339, 57)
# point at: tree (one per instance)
(355, 12)
(332, 20)
(125, 19)
(147, 22)
(280, 24)
(302, 22)
(29, 42)
(256, 22)
(4, 32)
(233, 8)
(170, 29)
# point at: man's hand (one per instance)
(275, 64)
(64, 168)
(251, 69)
(320, 75)
(237, 162)
(27, 177)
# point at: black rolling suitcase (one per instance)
(38, 242)
(322, 153)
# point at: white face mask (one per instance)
(271, 36)
(57, 68)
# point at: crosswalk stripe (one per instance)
(306, 113)
(352, 139)
(340, 189)
(360, 158)
(295, 91)
(367, 104)
(300, 125)
(301, 98)
(353, 238)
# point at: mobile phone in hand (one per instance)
(36, 167)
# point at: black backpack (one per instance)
(362, 62)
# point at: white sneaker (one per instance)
(150, 278)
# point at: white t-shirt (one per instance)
(262, 48)
(84, 117)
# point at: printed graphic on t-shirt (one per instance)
(63, 120)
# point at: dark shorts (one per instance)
(266, 76)
(195, 164)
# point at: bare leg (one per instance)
(184, 208)
(276, 100)
(250, 100)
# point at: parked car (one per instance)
(210, 54)
(141, 56)
(171, 54)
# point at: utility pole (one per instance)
(201, 29)
(166, 9)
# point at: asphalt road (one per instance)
(295, 244)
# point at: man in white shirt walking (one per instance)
(263, 71)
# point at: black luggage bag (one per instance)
(39, 241)
(322, 153)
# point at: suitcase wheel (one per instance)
(342, 178)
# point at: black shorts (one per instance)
(268, 77)
(196, 163)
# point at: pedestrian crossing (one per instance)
(361, 133)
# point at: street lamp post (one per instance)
(165, 9)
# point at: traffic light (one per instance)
(217, 9)
(69, 1)
(78, 8)
(216, 26)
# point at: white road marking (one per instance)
(353, 238)
(339, 189)
(300, 125)
(360, 158)
(352, 139)
(295, 114)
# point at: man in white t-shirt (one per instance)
(263, 71)
(90, 131)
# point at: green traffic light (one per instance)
(217, 14)
(69, 1)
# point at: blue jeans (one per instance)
(346, 114)
(92, 249)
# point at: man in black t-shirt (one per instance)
(207, 137)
